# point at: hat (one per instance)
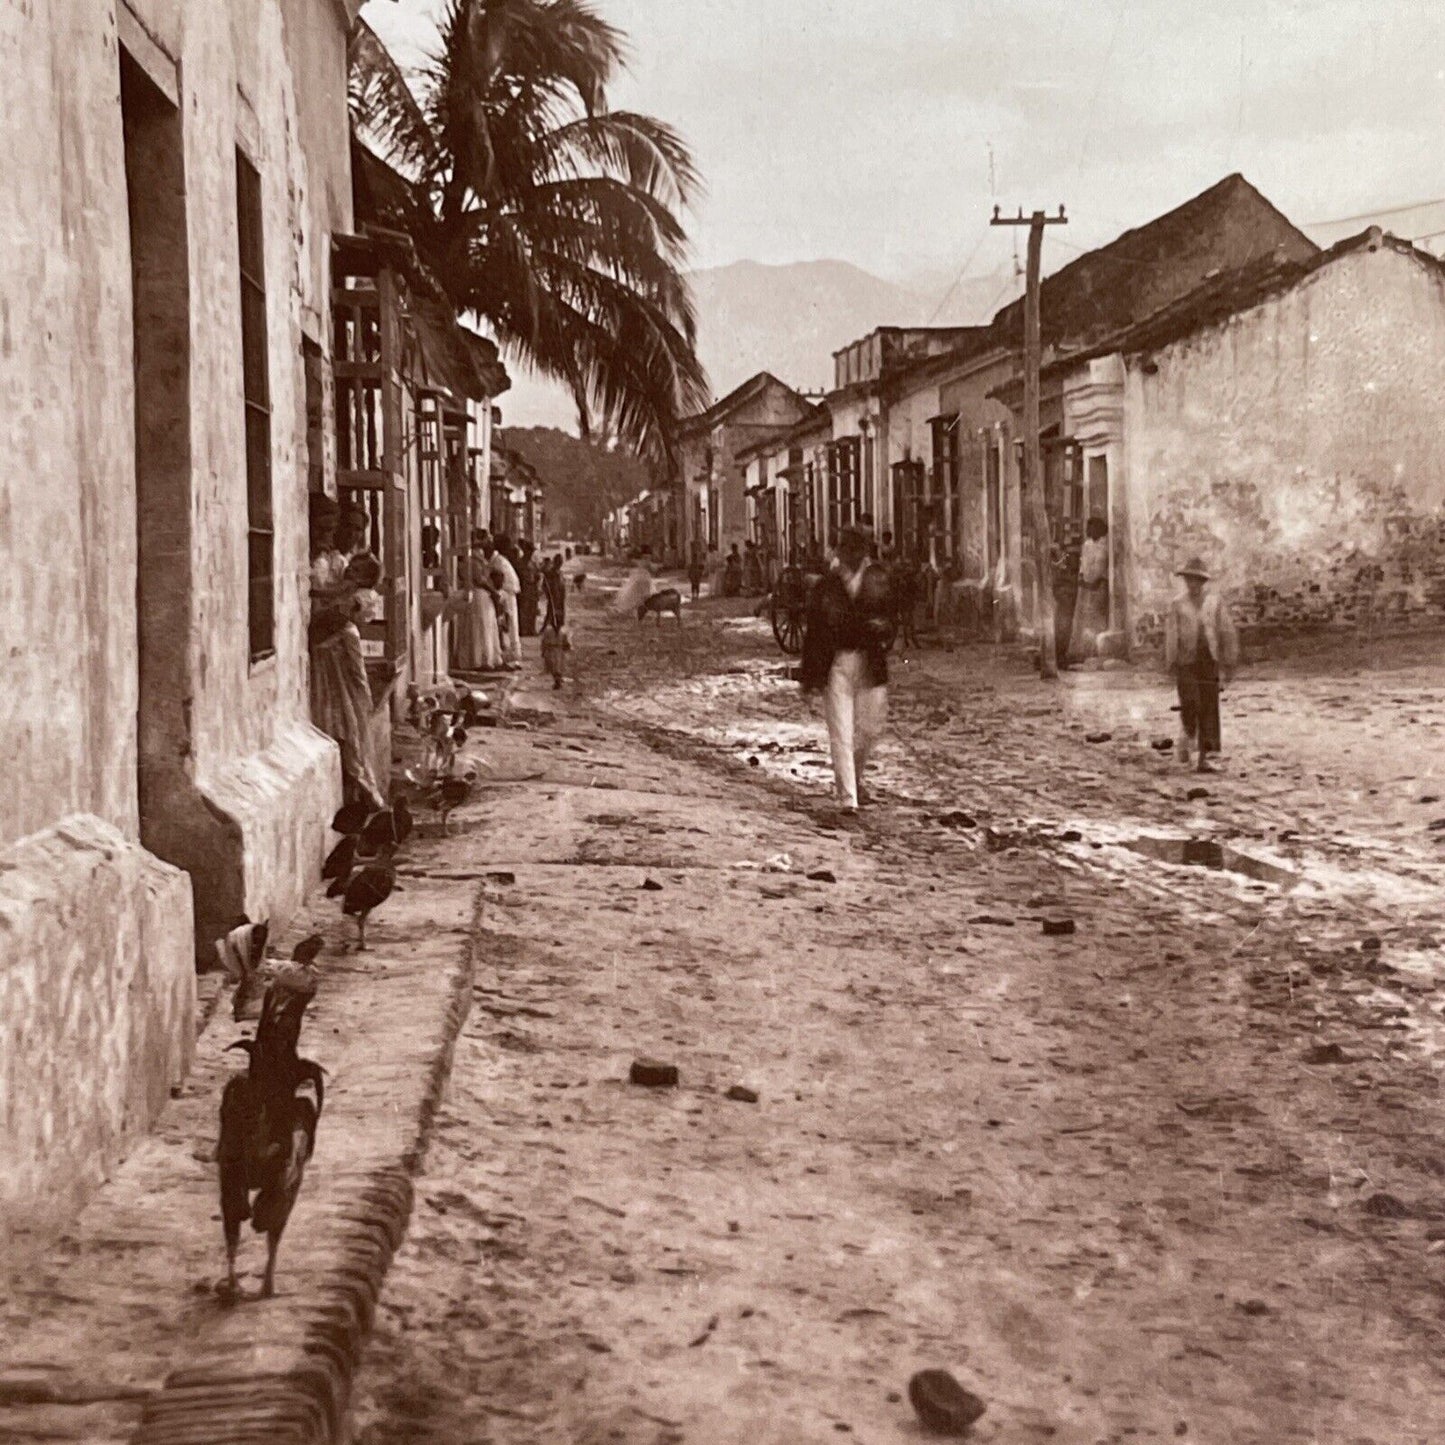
(1194, 567)
(854, 533)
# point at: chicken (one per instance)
(268, 1124)
(454, 793)
(367, 889)
(380, 831)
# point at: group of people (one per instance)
(859, 605)
(503, 594)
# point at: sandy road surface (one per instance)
(1096, 1175)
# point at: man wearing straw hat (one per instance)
(1201, 647)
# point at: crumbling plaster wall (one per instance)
(97, 986)
(1298, 448)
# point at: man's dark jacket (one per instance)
(838, 623)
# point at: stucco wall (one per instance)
(67, 533)
(1298, 447)
(97, 1006)
(982, 423)
(246, 815)
(96, 937)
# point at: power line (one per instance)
(962, 271)
(1383, 211)
(1099, 88)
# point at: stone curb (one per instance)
(295, 1388)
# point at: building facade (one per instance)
(945, 413)
(175, 176)
(712, 490)
(857, 481)
(1284, 424)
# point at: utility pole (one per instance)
(1033, 478)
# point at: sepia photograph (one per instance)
(728, 722)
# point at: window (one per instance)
(255, 384)
(947, 503)
(843, 485)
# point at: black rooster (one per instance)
(454, 793)
(268, 1125)
(366, 889)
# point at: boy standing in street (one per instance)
(845, 648)
(1201, 649)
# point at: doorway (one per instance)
(160, 291)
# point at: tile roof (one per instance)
(1229, 294)
(1228, 227)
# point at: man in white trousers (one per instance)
(845, 657)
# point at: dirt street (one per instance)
(1176, 1175)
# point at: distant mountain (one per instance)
(791, 319)
(788, 320)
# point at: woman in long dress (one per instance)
(506, 587)
(1091, 607)
(341, 701)
(476, 641)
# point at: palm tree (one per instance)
(552, 219)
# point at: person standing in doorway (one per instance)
(501, 565)
(845, 657)
(695, 572)
(1091, 605)
(732, 573)
(1066, 593)
(1201, 650)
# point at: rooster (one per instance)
(367, 889)
(454, 793)
(268, 1125)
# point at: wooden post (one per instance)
(1033, 478)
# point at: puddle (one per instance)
(1207, 853)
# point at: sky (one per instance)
(883, 132)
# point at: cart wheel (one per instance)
(790, 638)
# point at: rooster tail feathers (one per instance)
(350, 818)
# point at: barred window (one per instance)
(256, 389)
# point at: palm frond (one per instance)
(383, 106)
(556, 222)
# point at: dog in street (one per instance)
(669, 599)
